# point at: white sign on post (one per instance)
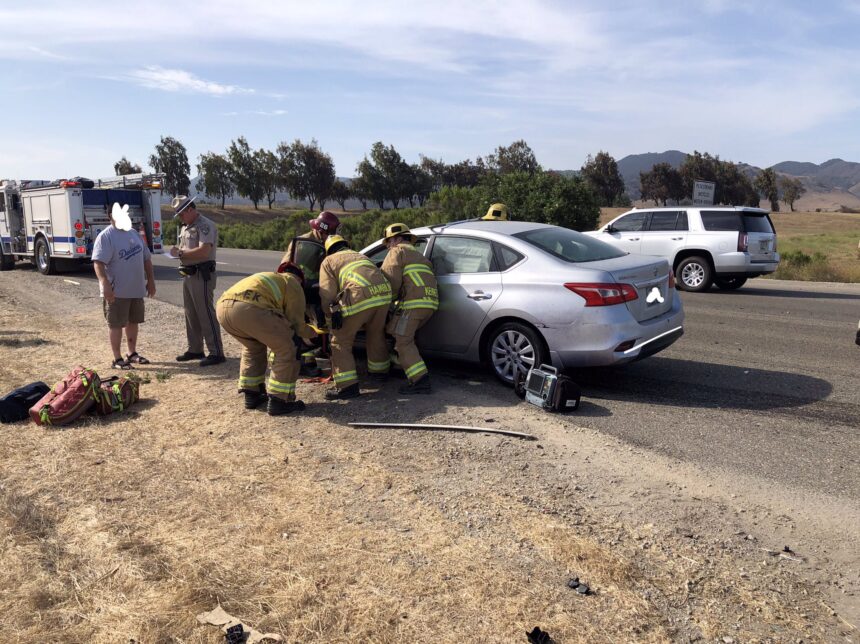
(703, 193)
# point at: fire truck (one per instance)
(53, 222)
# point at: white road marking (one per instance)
(223, 263)
(72, 282)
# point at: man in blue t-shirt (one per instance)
(124, 268)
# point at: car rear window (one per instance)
(569, 245)
(736, 221)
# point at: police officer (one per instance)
(197, 241)
(497, 212)
(264, 311)
(416, 299)
(354, 295)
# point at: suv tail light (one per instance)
(743, 242)
(774, 242)
(603, 294)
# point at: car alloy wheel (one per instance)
(512, 351)
(693, 275)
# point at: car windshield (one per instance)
(569, 245)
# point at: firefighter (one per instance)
(263, 312)
(354, 295)
(416, 300)
(497, 212)
(325, 224)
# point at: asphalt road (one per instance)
(766, 380)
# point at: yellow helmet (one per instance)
(399, 229)
(496, 212)
(333, 240)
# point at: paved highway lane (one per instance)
(765, 382)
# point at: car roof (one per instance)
(701, 207)
(498, 227)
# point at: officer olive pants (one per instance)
(343, 339)
(200, 320)
(256, 329)
(403, 327)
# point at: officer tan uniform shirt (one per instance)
(416, 299)
(197, 292)
(351, 281)
(266, 310)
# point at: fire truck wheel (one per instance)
(45, 264)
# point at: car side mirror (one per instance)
(609, 228)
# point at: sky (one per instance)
(754, 81)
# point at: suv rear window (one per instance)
(736, 221)
(569, 245)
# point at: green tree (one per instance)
(361, 189)
(661, 183)
(601, 173)
(792, 190)
(734, 186)
(340, 192)
(124, 166)
(306, 171)
(214, 180)
(171, 158)
(370, 184)
(270, 177)
(766, 184)
(246, 171)
(517, 157)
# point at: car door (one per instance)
(665, 235)
(469, 286)
(626, 232)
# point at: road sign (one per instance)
(703, 193)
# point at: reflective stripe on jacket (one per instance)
(411, 276)
(350, 279)
(278, 292)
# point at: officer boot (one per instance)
(279, 406)
(254, 399)
(342, 394)
(420, 386)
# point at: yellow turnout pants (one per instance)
(403, 326)
(343, 339)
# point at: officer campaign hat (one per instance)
(180, 203)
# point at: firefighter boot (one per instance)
(279, 406)
(420, 386)
(254, 399)
(352, 391)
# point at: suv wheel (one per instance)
(693, 274)
(729, 283)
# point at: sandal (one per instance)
(121, 363)
(136, 358)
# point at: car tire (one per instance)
(693, 274)
(45, 264)
(729, 283)
(514, 345)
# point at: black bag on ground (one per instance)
(15, 406)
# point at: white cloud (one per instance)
(177, 80)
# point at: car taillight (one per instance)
(602, 294)
(156, 225)
(743, 242)
(774, 242)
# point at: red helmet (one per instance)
(326, 222)
(292, 269)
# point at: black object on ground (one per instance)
(15, 406)
(537, 636)
(574, 584)
(236, 635)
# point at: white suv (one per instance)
(723, 245)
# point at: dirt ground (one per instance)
(123, 529)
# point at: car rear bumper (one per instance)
(597, 343)
(742, 265)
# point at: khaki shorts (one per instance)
(123, 311)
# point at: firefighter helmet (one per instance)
(399, 230)
(326, 223)
(334, 243)
(496, 212)
(292, 269)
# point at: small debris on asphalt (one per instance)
(537, 636)
(574, 584)
(787, 549)
(582, 589)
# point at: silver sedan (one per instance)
(519, 294)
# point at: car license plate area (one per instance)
(654, 296)
(764, 246)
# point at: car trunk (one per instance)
(649, 278)
(761, 238)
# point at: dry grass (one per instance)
(123, 529)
